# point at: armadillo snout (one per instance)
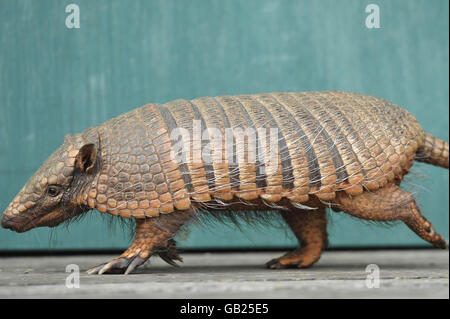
(7, 222)
(13, 221)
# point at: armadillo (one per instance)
(293, 153)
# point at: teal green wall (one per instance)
(55, 80)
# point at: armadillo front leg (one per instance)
(310, 229)
(153, 236)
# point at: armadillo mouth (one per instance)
(17, 223)
(21, 227)
(23, 222)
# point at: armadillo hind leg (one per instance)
(310, 229)
(153, 236)
(390, 203)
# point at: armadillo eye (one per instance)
(53, 190)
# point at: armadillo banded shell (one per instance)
(326, 142)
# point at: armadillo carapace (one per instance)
(297, 153)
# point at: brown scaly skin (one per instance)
(335, 149)
(390, 204)
(310, 228)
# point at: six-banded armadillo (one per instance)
(293, 152)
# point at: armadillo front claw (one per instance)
(94, 270)
(120, 265)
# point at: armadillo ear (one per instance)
(86, 158)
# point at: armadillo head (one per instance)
(53, 193)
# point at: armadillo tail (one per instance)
(433, 151)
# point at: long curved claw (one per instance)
(115, 266)
(121, 265)
(137, 261)
(95, 270)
